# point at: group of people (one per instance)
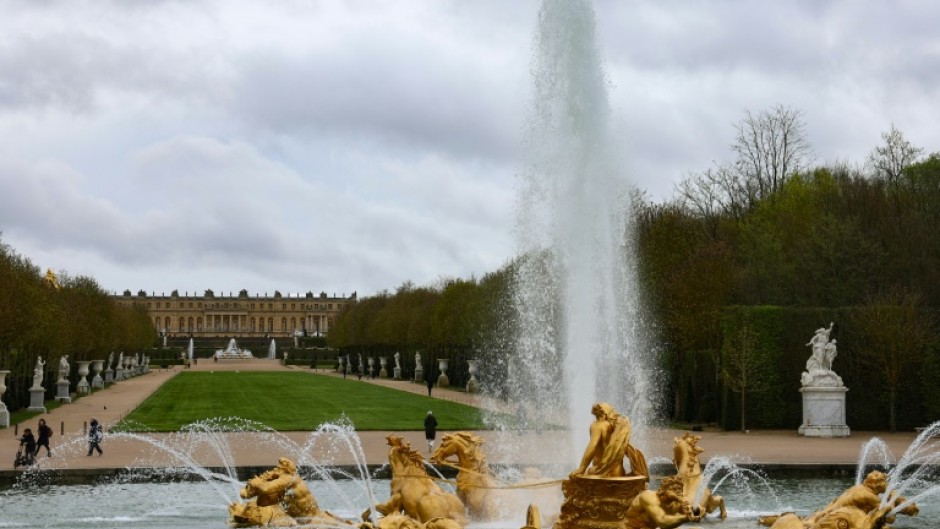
(31, 444)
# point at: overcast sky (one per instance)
(351, 146)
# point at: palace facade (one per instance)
(211, 315)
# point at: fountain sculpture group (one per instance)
(600, 494)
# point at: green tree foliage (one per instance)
(79, 319)
(893, 336)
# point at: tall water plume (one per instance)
(575, 292)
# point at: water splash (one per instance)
(575, 291)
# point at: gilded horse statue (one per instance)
(475, 481)
(413, 492)
(689, 470)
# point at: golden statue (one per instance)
(280, 498)
(610, 442)
(477, 486)
(689, 470)
(413, 492)
(865, 498)
(664, 508)
(400, 521)
(475, 481)
(599, 492)
(51, 280)
(841, 518)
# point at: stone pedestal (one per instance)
(83, 388)
(442, 380)
(62, 391)
(597, 503)
(383, 372)
(824, 412)
(37, 399)
(108, 376)
(419, 374)
(97, 381)
(396, 373)
(473, 385)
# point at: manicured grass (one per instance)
(292, 401)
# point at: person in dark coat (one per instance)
(94, 437)
(430, 430)
(44, 434)
(28, 444)
(430, 385)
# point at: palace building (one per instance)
(244, 316)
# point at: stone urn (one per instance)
(383, 362)
(442, 380)
(341, 362)
(83, 388)
(473, 385)
(97, 366)
(4, 413)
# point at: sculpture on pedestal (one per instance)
(822, 389)
(600, 492)
(37, 372)
(64, 367)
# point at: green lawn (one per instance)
(292, 401)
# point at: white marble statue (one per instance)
(110, 360)
(397, 360)
(819, 365)
(418, 359)
(64, 367)
(37, 372)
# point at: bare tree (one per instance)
(770, 147)
(896, 154)
(713, 192)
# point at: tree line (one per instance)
(71, 316)
(738, 269)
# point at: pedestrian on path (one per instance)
(430, 386)
(27, 449)
(94, 437)
(430, 429)
(44, 434)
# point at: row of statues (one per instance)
(601, 493)
(65, 368)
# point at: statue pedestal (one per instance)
(4, 417)
(443, 381)
(37, 399)
(62, 391)
(419, 374)
(397, 373)
(597, 503)
(108, 376)
(824, 412)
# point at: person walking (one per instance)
(430, 386)
(430, 430)
(28, 447)
(94, 437)
(44, 434)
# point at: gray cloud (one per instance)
(356, 145)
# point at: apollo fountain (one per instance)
(581, 335)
